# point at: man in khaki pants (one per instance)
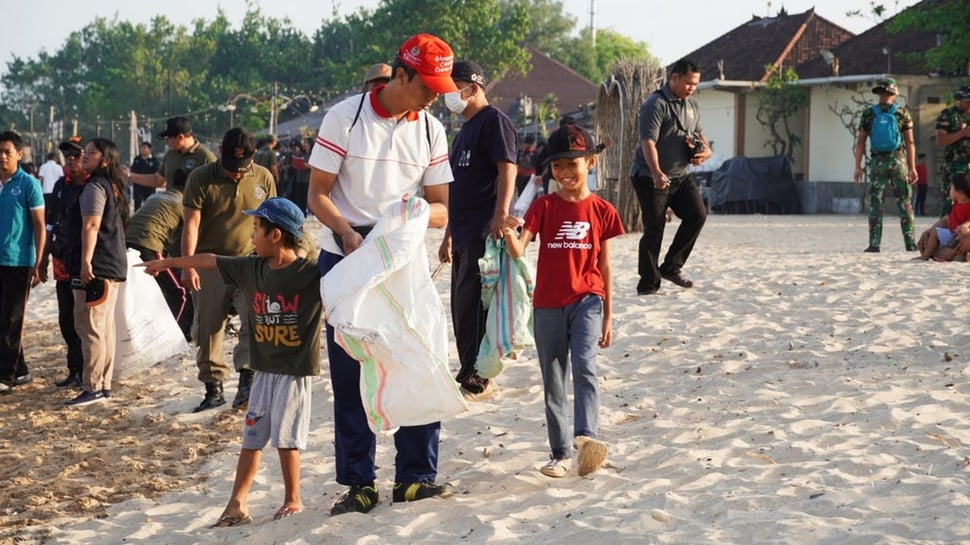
(215, 196)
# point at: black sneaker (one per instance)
(23, 379)
(871, 250)
(72, 380)
(420, 491)
(106, 393)
(911, 247)
(86, 397)
(357, 499)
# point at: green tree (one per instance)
(594, 63)
(109, 67)
(950, 21)
(779, 100)
(549, 24)
(947, 19)
(546, 112)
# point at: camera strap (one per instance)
(688, 104)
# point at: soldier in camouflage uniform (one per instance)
(953, 133)
(896, 167)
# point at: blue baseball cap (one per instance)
(282, 213)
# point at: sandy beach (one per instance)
(801, 392)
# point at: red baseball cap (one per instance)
(432, 59)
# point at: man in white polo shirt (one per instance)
(50, 172)
(372, 149)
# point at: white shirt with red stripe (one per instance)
(379, 159)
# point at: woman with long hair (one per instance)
(97, 263)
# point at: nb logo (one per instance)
(573, 230)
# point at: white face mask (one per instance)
(454, 102)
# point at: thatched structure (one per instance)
(617, 107)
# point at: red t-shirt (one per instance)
(923, 175)
(959, 214)
(570, 236)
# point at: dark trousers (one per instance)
(14, 289)
(65, 320)
(685, 200)
(919, 207)
(299, 188)
(467, 314)
(176, 295)
(140, 193)
(354, 442)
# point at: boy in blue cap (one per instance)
(283, 291)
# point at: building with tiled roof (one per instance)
(784, 41)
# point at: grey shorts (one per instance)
(278, 413)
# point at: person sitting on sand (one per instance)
(945, 240)
(283, 291)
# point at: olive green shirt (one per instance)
(157, 225)
(173, 160)
(224, 229)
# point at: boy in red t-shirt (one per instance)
(941, 241)
(573, 295)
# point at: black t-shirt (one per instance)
(144, 165)
(285, 313)
(482, 142)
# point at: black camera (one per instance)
(695, 145)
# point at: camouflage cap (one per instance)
(886, 86)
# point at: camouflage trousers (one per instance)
(889, 170)
(945, 171)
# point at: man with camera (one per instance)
(670, 140)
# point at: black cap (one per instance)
(468, 71)
(175, 126)
(963, 93)
(238, 149)
(569, 141)
(72, 144)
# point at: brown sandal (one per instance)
(229, 521)
(285, 511)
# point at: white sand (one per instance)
(802, 392)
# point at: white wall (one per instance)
(829, 140)
(717, 118)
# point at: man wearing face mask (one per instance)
(483, 164)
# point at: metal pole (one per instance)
(273, 108)
(33, 151)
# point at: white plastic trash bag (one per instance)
(147, 333)
(386, 313)
(529, 193)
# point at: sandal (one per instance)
(229, 521)
(286, 511)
